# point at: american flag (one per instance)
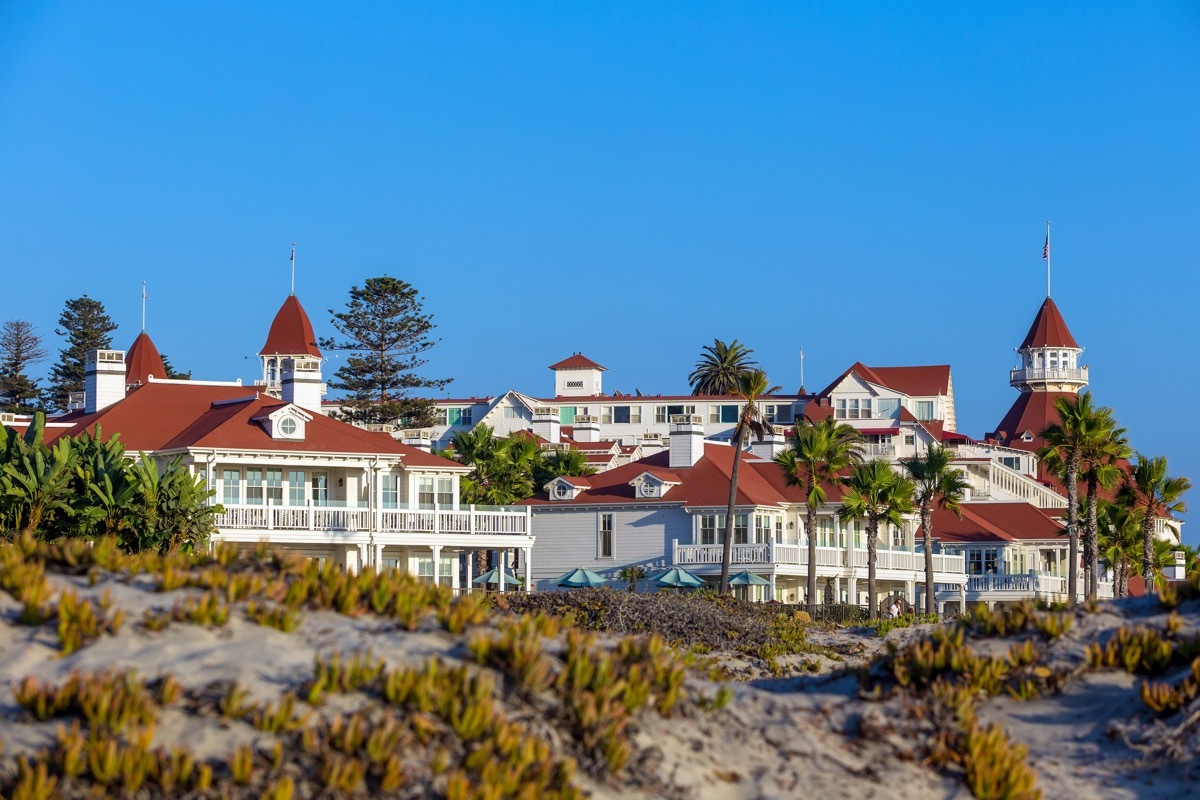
(1046, 249)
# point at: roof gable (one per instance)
(577, 361)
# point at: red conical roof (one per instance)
(143, 360)
(1049, 329)
(291, 333)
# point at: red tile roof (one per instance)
(143, 360)
(1049, 329)
(996, 522)
(158, 416)
(577, 361)
(706, 484)
(291, 332)
(926, 381)
(1032, 412)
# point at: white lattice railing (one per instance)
(388, 520)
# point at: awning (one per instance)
(879, 431)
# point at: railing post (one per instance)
(471, 512)
(270, 514)
(674, 551)
(309, 514)
(436, 527)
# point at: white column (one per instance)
(469, 555)
(772, 587)
(851, 591)
(528, 569)
(437, 564)
(378, 555)
(910, 591)
(500, 567)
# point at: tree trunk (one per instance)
(1148, 551)
(1123, 586)
(927, 538)
(1091, 545)
(1073, 529)
(872, 542)
(810, 523)
(727, 552)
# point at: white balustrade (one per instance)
(362, 518)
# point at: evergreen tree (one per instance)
(172, 373)
(20, 348)
(86, 327)
(386, 331)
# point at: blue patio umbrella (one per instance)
(492, 576)
(748, 578)
(581, 579)
(679, 578)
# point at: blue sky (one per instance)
(868, 181)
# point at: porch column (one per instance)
(910, 591)
(437, 563)
(852, 590)
(500, 566)
(529, 569)
(772, 587)
(837, 590)
(378, 560)
(469, 555)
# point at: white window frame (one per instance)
(606, 537)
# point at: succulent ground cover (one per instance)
(254, 674)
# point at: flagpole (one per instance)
(1047, 258)
(293, 268)
(143, 306)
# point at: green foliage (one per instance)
(86, 327)
(20, 348)
(883, 626)
(719, 367)
(508, 470)
(386, 332)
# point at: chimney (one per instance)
(651, 443)
(587, 428)
(687, 440)
(300, 383)
(419, 439)
(771, 445)
(103, 379)
(547, 425)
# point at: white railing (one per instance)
(1014, 483)
(1022, 375)
(361, 518)
(1034, 584)
(797, 554)
(877, 449)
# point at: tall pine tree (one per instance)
(386, 332)
(86, 327)
(20, 348)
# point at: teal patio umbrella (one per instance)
(581, 579)
(492, 576)
(748, 578)
(679, 578)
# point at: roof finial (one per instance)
(293, 269)
(1046, 257)
(143, 306)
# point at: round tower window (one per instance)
(288, 426)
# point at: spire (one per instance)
(143, 361)
(1049, 329)
(291, 332)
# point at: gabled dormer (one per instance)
(649, 486)
(285, 423)
(565, 488)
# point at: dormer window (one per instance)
(285, 423)
(562, 489)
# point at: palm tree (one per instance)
(1066, 444)
(720, 367)
(559, 463)
(631, 575)
(818, 453)
(1106, 446)
(1119, 537)
(938, 485)
(751, 387)
(875, 491)
(1148, 488)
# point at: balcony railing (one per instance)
(385, 520)
(877, 449)
(1033, 584)
(797, 555)
(1024, 375)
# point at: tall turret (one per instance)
(1049, 369)
(291, 337)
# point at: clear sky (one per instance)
(868, 181)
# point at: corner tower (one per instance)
(1050, 368)
(291, 338)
